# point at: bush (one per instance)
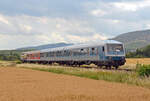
(143, 70)
(18, 62)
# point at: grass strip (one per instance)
(120, 77)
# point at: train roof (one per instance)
(76, 46)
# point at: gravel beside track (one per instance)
(18, 84)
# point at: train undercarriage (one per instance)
(100, 64)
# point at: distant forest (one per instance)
(140, 53)
(11, 55)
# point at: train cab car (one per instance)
(115, 53)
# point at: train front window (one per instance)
(115, 48)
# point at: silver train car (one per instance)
(107, 53)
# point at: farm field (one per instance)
(137, 60)
(18, 84)
(29, 82)
(132, 62)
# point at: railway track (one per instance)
(94, 67)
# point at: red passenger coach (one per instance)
(33, 56)
(37, 56)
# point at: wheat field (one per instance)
(132, 62)
(20, 82)
(138, 60)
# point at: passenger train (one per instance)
(107, 53)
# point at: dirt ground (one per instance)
(18, 84)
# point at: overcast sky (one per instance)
(35, 22)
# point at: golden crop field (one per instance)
(22, 84)
(132, 62)
(138, 60)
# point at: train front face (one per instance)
(115, 54)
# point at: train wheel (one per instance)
(99, 66)
(116, 67)
(108, 67)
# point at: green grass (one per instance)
(143, 70)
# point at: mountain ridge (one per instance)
(132, 41)
(46, 46)
(135, 39)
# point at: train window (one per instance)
(93, 51)
(64, 53)
(103, 48)
(51, 54)
(76, 52)
(58, 53)
(36, 55)
(54, 53)
(41, 55)
(84, 52)
(46, 54)
(79, 52)
(114, 47)
(67, 53)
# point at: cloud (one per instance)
(4, 20)
(26, 28)
(115, 21)
(98, 12)
(126, 6)
(53, 8)
(93, 38)
(23, 24)
(132, 6)
(99, 37)
(30, 30)
(147, 26)
(13, 41)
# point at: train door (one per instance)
(93, 51)
(102, 53)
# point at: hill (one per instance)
(134, 40)
(40, 47)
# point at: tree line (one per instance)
(11, 55)
(140, 53)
